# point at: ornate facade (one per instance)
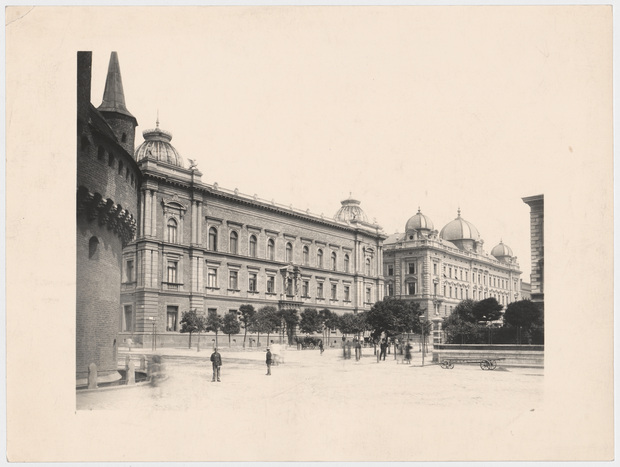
(204, 247)
(439, 269)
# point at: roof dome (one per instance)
(157, 146)
(350, 210)
(419, 222)
(501, 250)
(459, 229)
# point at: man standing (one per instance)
(358, 350)
(216, 361)
(268, 361)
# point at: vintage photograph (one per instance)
(320, 231)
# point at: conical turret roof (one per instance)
(113, 95)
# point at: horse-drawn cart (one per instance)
(485, 363)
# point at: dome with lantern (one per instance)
(418, 225)
(350, 211)
(462, 233)
(157, 146)
(502, 251)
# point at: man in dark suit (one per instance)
(216, 361)
(268, 361)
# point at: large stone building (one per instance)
(439, 269)
(203, 247)
(108, 181)
(537, 244)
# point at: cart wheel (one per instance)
(492, 365)
(450, 365)
(485, 365)
(445, 364)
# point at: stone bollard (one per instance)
(92, 376)
(130, 373)
(143, 363)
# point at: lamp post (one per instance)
(423, 323)
(154, 341)
(488, 323)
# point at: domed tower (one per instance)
(156, 146)
(113, 107)
(418, 226)
(502, 252)
(462, 233)
(108, 180)
(350, 211)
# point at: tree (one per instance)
(192, 322)
(351, 323)
(266, 321)
(329, 321)
(524, 315)
(487, 310)
(310, 321)
(247, 313)
(289, 318)
(392, 316)
(213, 323)
(461, 326)
(230, 325)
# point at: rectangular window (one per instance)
(461, 274)
(289, 287)
(334, 291)
(232, 280)
(129, 271)
(390, 290)
(411, 288)
(252, 282)
(368, 292)
(411, 268)
(390, 270)
(347, 296)
(172, 313)
(319, 290)
(212, 278)
(435, 268)
(465, 275)
(271, 284)
(305, 288)
(450, 273)
(479, 279)
(172, 272)
(450, 292)
(128, 319)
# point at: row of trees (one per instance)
(475, 322)
(387, 318)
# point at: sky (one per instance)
(431, 108)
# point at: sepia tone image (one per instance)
(340, 255)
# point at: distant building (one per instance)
(439, 269)
(108, 181)
(537, 243)
(526, 291)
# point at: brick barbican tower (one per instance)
(108, 182)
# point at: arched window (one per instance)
(93, 246)
(271, 249)
(334, 260)
(124, 138)
(172, 230)
(252, 246)
(234, 237)
(289, 253)
(319, 258)
(368, 266)
(213, 239)
(306, 255)
(100, 153)
(346, 263)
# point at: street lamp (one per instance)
(423, 323)
(488, 323)
(154, 340)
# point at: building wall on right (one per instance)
(537, 245)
